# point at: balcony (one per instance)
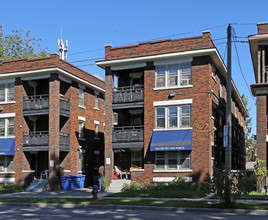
(39, 141)
(128, 134)
(128, 94)
(39, 105)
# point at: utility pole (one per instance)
(228, 149)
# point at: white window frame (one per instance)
(97, 126)
(179, 118)
(179, 157)
(81, 129)
(213, 74)
(96, 101)
(179, 75)
(6, 118)
(4, 169)
(5, 84)
(81, 99)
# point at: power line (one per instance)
(99, 58)
(239, 64)
(189, 32)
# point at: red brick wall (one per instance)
(48, 62)
(159, 47)
(261, 127)
(109, 79)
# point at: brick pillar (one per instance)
(149, 115)
(108, 151)
(54, 123)
(261, 127)
(19, 125)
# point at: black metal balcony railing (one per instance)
(41, 138)
(128, 134)
(37, 138)
(37, 103)
(128, 94)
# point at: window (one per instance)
(81, 129)
(136, 158)
(213, 74)
(115, 118)
(173, 114)
(6, 164)
(221, 91)
(96, 130)
(6, 127)
(7, 92)
(81, 97)
(160, 118)
(96, 104)
(173, 75)
(173, 160)
(81, 162)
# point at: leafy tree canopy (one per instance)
(19, 45)
(250, 145)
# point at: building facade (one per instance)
(51, 114)
(259, 54)
(165, 110)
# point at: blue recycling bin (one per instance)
(65, 182)
(78, 181)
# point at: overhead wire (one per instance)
(239, 64)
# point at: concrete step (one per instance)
(117, 185)
(37, 186)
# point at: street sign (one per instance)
(225, 136)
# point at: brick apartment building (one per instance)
(51, 114)
(259, 53)
(165, 110)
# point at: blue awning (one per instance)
(172, 140)
(7, 146)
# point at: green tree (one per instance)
(250, 145)
(19, 45)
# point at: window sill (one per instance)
(136, 170)
(8, 172)
(81, 139)
(214, 78)
(96, 108)
(172, 171)
(172, 129)
(174, 87)
(2, 137)
(81, 106)
(6, 103)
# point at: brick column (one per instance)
(261, 127)
(54, 123)
(149, 118)
(108, 151)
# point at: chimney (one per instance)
(206, 33)
(262, 28)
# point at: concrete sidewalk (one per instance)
(86, 193)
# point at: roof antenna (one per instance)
(63, 48)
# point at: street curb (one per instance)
(134, 207)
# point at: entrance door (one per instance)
(38, 161)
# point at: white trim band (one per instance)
(80, 118)
(173, 102)
(7, 115)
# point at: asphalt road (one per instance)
(34, 213)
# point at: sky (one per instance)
(89, 25)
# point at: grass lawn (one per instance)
(12, 188)
(252, 195)
(139, 202)
(161, 194)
